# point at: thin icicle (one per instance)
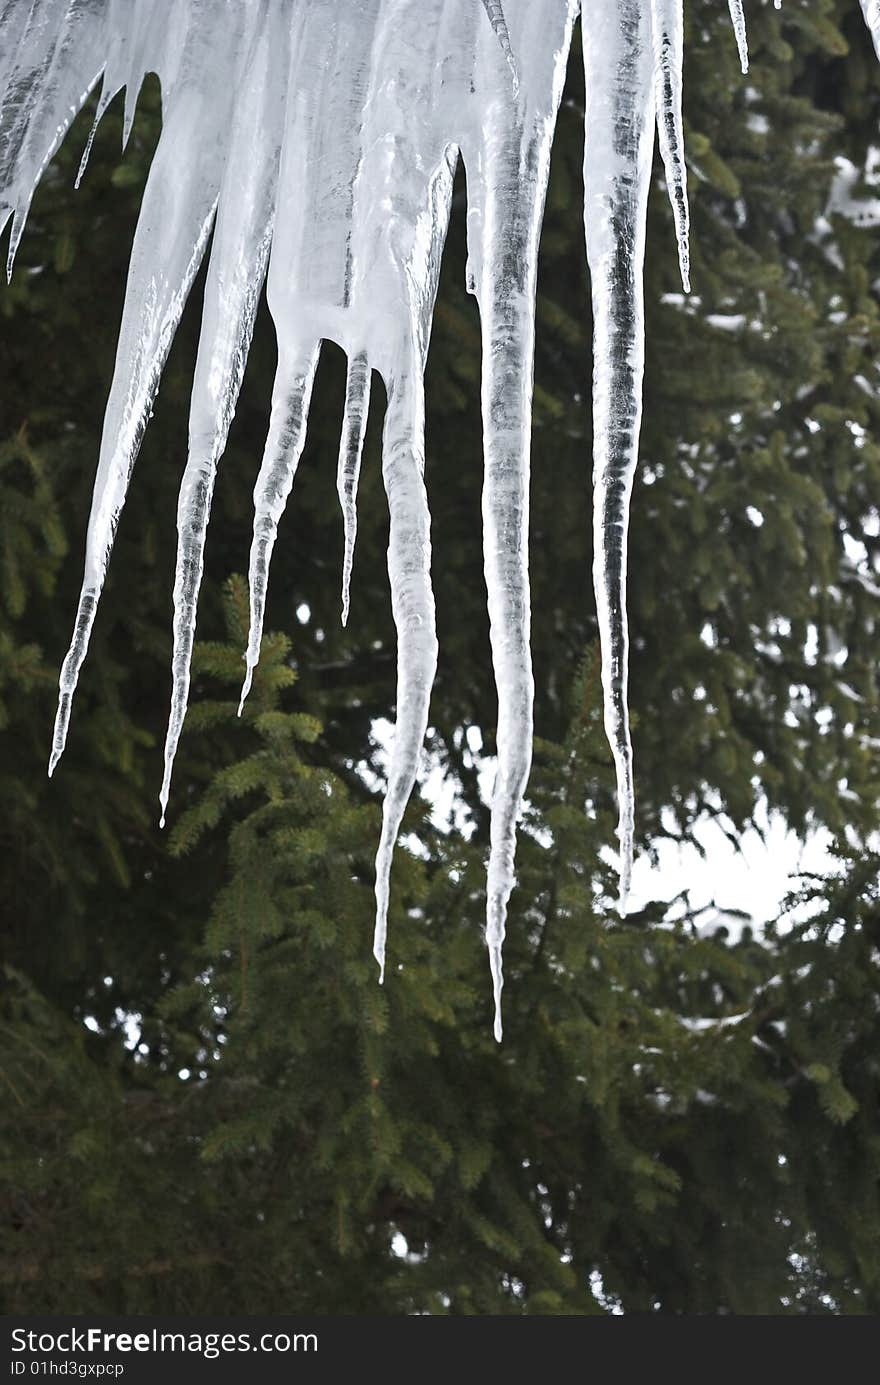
(135, 32)
(351, 446)
(404, 187)
(119, 448)
(149, 37)
(618, 60)
(515, 163)
(412, 602)
(287, 435)
(738, 19)
(668, 34)
(508, 346)
(237, 268)
(103, 103)
(173, 229)
(495, 12)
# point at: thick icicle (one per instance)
(738, 20)
(287, 435)
(668, 33)
(412, 601)
(617, 173)
(237, 268)
(173, 229)
(351, 446)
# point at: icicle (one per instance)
(236, 271)
(401, 212)
(136, 31)
(739, 28)
(495, 12)
(412, 601)
(120, 445)
(871, 11)
(287, 435)
(54, 68)
(103, 103)
(617, 173)
(149, 36)
(514, 160)
(668, 33)
(354, 426)
(173, 229)
(121, 27)
(507, 310)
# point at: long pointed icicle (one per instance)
(291, 398)
(513, 203)
(239, 255)
(170, 241)
(103, 103)
(508, 348)
(617, 171)
(738, 19)
(412, 600)
(403, 267)
(351, 447)
(668, 33)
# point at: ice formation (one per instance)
(318, 141)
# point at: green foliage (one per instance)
(210, 1103)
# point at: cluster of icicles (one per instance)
(317, 140)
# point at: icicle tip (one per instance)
(246, 687)
(59, 730)
(495, 966)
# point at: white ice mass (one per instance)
(317, 140)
